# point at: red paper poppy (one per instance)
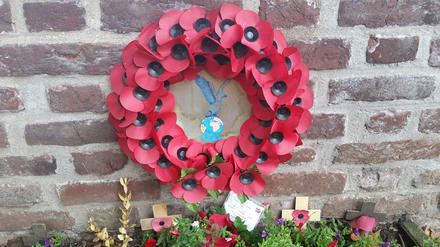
(266, 67)
(219, 65)
(282, 91)
(189, 189)
(292, 58)
(151, 72)
(147, 39)
(137, 99)
(165, 104)
(260, 108)
(138, 126)
(219, 221)
(300, 217)
(151, 243)
(215, 177)
(127, 61)
(279, 41)
(145, 151)
(169, 27)
(176, 55)
(166, 133)
(196, 22)
(303, 98)
(115, 107)
(117, 79)
(165, 170)
(232, 152)
(226, 18)
(239, 52)
(248, 182)
(268, 159)
(252, 136)
(206, 45)
(115, 123)
(283, 138)
(178, 152)
(158, 224)
(257, 34)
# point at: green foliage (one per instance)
(251, 237)
(214, 193)
(243, 198)
(191, 206)
(216, 159)
(216, 209)
(56, 239)
(186, 171)
(431, 242)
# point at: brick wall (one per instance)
(375, 134)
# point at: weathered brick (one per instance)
(374, 153)
(54, 16)
(377, 13)
(131, 16)
(428, 177)
(389, 121)
(430, 121)
(109, 217)
(286, 14)
(99, 163)
(374, 179)
(434, 58)
(56, 59)
(73, 193)
(326, 126)
(302, 154)
(336, 207)
(313, 183)
(68, 98)
(27, 165)
(5, 16)
(23, 220)
(19, 195)
(392, 50)
(324, 54)
(4, 142)
(10, 100)
(71, 133)
(380, 89)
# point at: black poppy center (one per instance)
(264, 65)
(279, 88)
(256, 85)
(166, 85)
(246, 178)
(158, 106)
(189, 184)
(240, 50)
(265, 123)
(208, 45)
(275, 45)
(201, 24)
(124, 78)
(155, 69)
(288, 63)
(141, 94)
(300, 216)
(179, 52)
(163, 162)
(297, 101)
(276, 137)
(200, 60)
(181, 153)
(166, 141)
(255, 140)
(264, 103)
(159, 122)
(262, 157)
(213, 172)
(153, 44)
(176, 31)
(283, 113)
(140, 120)
(240, 153)
(221, 59)
(147, 144)
(225, 24)
(161, 223)
(251, 34)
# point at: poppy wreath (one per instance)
(228, 43)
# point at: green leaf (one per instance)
(191, 206)
(243, 198)
(216, 159)
(186, 171)
(214, 193)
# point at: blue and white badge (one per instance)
(212, 128)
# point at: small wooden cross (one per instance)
(367, 209)
(302, 203)
(159, 211)
(38, 233)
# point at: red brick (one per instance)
(326, 126)
(73, 193)
(324, 54)
(5, 16)
(54, 16)
(27, 165)
(72, 133)
(375, 153)
(131, 16)
(313, 183)
(302, 155)
(56, 59)
(68, 98)
(430, 121)
(389, 121)
(287, 14)
(428, 177)
(4, 142)
(380, 89)
(434, 58)
(10, 100)
(99, 163)
(392, 50)
(377, 13)
(23, 220)
(336, 207)
(19, 195)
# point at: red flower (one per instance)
(283, 138)
(138, 126)
(252, 135)
(158, 224)
(300, 217)
(196, 23)
(176, 55)
(114, 106)
(231, 39)
(151, 243)
(281, 91)
(266, 67)
(219, 221)
(151, 72)
(207, 44)
(219, 65)
(136, 99)
(333, 244)
(189, 189)
(268, 160)
(279, 41)
(226, 18)
(292, 58)
(165, 170)
(248, 182)
(118, 78)
(174, 233)
(303, 98)
(165, 104)
(181, 151)
(147, 39)
(232, 152)
(257, 34)
(260, 108)
(167, 132)
(215, 177)
(169, 27)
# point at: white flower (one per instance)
(228, 239)
(195, 224)
(175, 222)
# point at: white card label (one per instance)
(250, 212)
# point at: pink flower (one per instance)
(300, 216)
(160, 223)
(174, 233)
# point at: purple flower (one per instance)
(48, 244)
(385, 244)
(338, 235)
(263, 234)
(355, 231)
(279, 221)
